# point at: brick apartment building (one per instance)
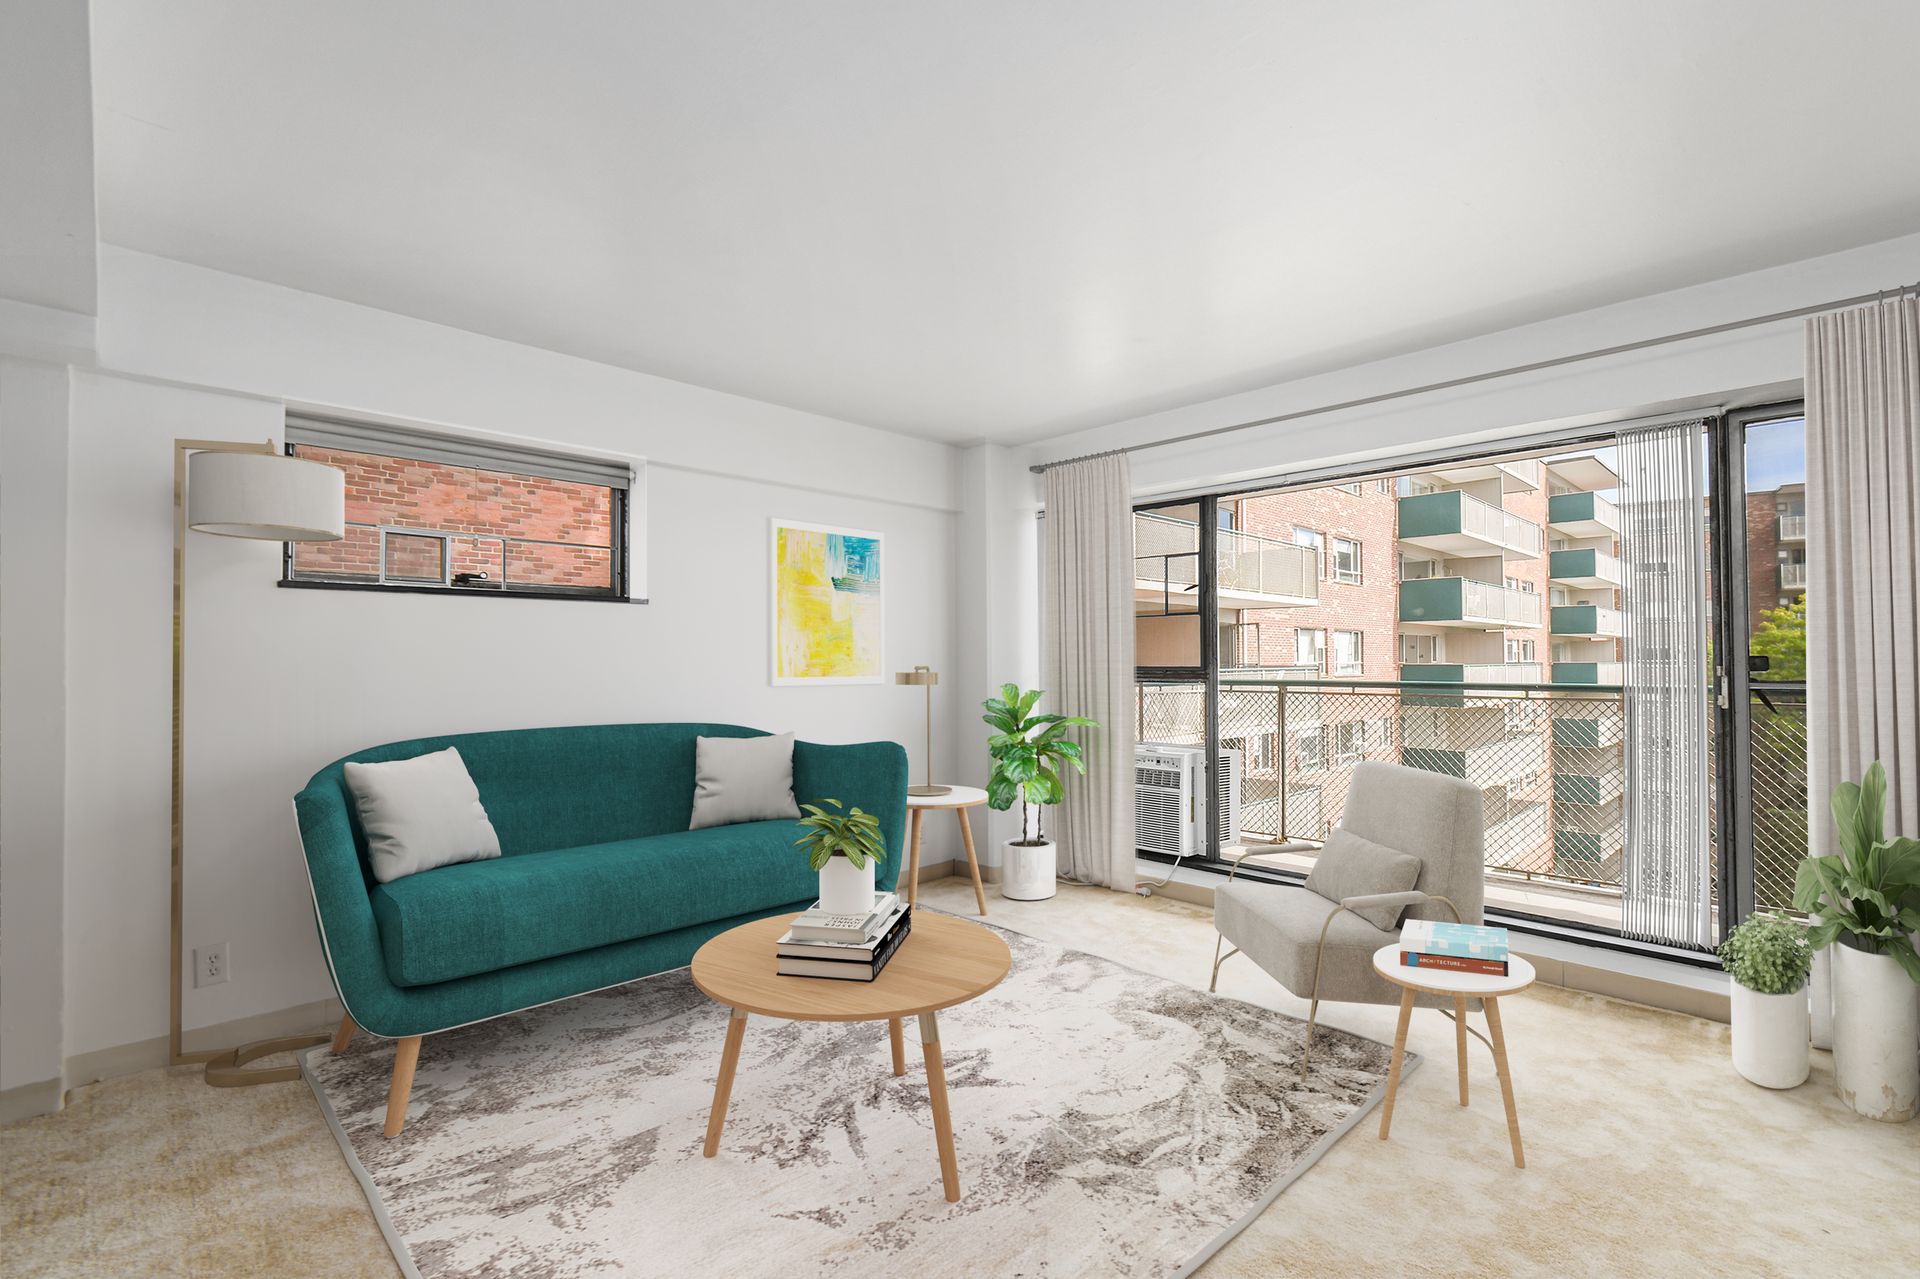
(1776, 549)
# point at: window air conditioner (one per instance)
(1170, 798)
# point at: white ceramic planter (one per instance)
(1770, 1037)
(1820, 987)
(1876, 1023)
(1027, 871)
(844, 890)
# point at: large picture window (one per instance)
(428, 512)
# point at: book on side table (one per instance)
(850, 951)
(1458, 948)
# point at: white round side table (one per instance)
(959, 799)
(1460, 987)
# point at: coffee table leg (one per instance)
(1460, 1041)
(913, 856)
(723, 1087)
(973, 863)
(1506, 1079)
(1399, 1053)
(937, 1097)
(899, 1046)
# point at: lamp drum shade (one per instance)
(265, 496)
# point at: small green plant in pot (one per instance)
(844, 847)
(1031, 754)
(1768, 957)
(1866, 904)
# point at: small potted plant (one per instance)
(1030, 752)
(844, 847)
(1868, 902)
(1768, 957)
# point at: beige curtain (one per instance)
(1089, 660)
(1863, 547)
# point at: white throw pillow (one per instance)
(742, 779)
(420, 813)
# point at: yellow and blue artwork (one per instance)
(826, 605)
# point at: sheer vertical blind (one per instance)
(1667, 888)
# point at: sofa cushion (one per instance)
(1349, 866)
(481, 916)
(420, 813)
(742, 779)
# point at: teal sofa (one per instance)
(599, 881)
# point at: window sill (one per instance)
(470, 592)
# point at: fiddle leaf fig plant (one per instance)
(1030, 752)
(1869, 895)
(853, 835)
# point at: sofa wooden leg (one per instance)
(344, 1036)
(406, 1055)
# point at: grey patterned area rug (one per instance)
(1108, 1123)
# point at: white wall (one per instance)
(46, 157)
(283, 681)
(33, 687)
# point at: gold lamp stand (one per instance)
(927, 678)
(323, 510)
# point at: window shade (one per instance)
(482, 452)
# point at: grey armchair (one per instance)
(1320, 949)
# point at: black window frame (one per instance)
(618, 590)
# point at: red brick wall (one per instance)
(401, 493)
(1372, 607)
(1763, 555)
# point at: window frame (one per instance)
(619, 548)
(1359, 664)
(1319, 662)
(1359, 561)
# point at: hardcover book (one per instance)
(1454, 963)
(863, 948)
(847, 969)
(1469, 941)
(814, 924)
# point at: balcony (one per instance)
(1583, 515)
(1793, 577)
(1588, 789)
(1458, 524)
(1471, 673)
(1523, 475)
(1595, 726)
(1793, 528)
(1461, 601)
(1589, 620)
(1602, 673)
(1589, 569)
(1254, 571)
(1511, 756)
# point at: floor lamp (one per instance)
(251, 491)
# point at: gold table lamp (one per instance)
(927, 676)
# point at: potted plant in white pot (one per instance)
(1030, 752)
(844, 848)
(1868, 903)
(1768, 957)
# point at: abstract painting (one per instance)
(826, 605)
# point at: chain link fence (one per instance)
(1778, 746)
(1548, 760)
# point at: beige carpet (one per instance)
(1646, 1154)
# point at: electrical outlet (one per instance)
(210, 965)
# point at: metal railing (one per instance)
(1300, 740)
(1166, 550)
(1483, 601)
(1793, 577)
(1777, 746)
(1497, 524)
(1793, 528)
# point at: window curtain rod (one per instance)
(1799, 312)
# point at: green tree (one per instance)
(1782, 638)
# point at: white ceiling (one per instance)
(999, 219)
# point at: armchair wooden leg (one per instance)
(1460, 1041)
(1219, 940)
(344, 1036)
(406, 1055)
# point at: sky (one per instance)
(1776, 454)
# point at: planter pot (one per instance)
(844, 890)
(1027, 871)
(1876, 1021)
(1820, 987)
(1770, 1036)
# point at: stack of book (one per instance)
(1458, 948)
(843, 947)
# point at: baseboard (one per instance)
(148, 1054)
(939, 870)
(28, 1100)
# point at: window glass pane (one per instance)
(1166, 586)
(476, 529)
(1776, 531)
(413, 558)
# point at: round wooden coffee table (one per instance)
(943, 962)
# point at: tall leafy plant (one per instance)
(1869, 895)
(1030, 752)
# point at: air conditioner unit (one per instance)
(1169, 802)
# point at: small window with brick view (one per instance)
(427, 512)
(1346, 561)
